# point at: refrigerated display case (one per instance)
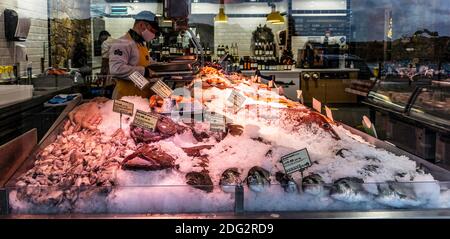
(432, 105)
(410, 116)
(394, 94)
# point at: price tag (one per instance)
(237, 99)
(317, 105)
(139, 80)
(296, 161)
(369, 127)
(123, 107)
(145, 120)
(216, 121)
(161, 89)
(329, 113)
(270, 84)
(300, 96)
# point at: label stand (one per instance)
(300, 188)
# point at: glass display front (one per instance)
(156, 107)
(393, 95)
(433, 104)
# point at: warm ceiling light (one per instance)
(275, 17)
(221, 17)
(280, 20)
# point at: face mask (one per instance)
(148, 35)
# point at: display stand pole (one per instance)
(300, 188)
(4, 205)
(239, 199)
(120, 120)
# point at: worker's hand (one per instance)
(85, 116)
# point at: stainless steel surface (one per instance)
(174, 73)
(199, 47)
(50, 137)
(379, 214)
(170, 67)
(14, 153)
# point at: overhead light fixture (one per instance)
(274, 17)
(221, 17)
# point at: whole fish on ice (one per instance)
(258, 179)
(230, 179)
(397, 195)
(313, 184)
(287, 182)
(349, 189)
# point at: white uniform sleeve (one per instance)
(106, 45)
(119, 61)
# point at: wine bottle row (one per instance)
(268, 64)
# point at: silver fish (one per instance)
(397, 195)
(313, 184)
(230, 179)
(349, 189)
(340, 152)
(369, 170)
(258, 179)
(200, 180)
(287, 182)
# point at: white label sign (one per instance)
(123, 107)
(237, 99)
(216, 121)
(317, 105)
(139, 80)
(300, 96)
(329, 113)
(296, 161)
(145, 120)
(161, 89)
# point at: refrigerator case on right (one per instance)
(432, 106)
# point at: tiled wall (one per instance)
(37, 11)
(311, 19)
(243, 19)
(117, 27)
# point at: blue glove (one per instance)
(60, 99)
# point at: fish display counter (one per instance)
(222, 145)
(412, 115)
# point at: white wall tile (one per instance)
(319, 5)
(37, 11)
